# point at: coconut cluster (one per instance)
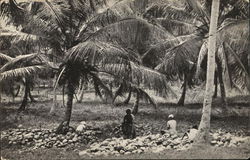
(156, 143)
(45, 138)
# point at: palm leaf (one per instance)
(54, 13)
(171, 12)
(241, 7)
(237, 63)
(98, 83)
(133, 33)
(18, 36)
(16, 12)
(134, 74)
(17, 60)
(156, 53)
(95, 52)
(21, 72)
(144, 95)
(5, 57)
(120, 10)
(202, 54)
(180, 59)
(196, 8)
(236, 34)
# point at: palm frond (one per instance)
(237, 66)
(21, 72)
(171, 12)
(240, 9)
(236, 34)
(94, 52)
(5, 57)
(195, 8)
(176, 27)
(98, 83)
(133, 33)
(133, 74)
(180, 59)
(16, 12)
(144, 95)
(203, 52)
(45, 29)
(120, 10)
(17, 60)
(18, 36)
(156, 53)
(54, 12)
(149, 78)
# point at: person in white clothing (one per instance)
(171, 125)
(191, 133)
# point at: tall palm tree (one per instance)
(204, 127)
(193, 17)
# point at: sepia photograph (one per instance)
(124, 79)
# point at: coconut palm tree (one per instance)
(191, 21)
(123, 24)
(204, 127)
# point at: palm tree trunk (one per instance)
(248, 78)
(128, 98)
(204, 127)
(55, 103)
(117, 92)
(136, 104)
(222, 86)
(25, 97)
(18, 91)
(215, 86)
(248, 60)
(182, 99)
(81, 95)
(31, 97)
(70, 96)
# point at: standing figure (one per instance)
(128, 128)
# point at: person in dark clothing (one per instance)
(128, 128)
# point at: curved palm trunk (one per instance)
(136, 104)
(204, 127)
(184, 86)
